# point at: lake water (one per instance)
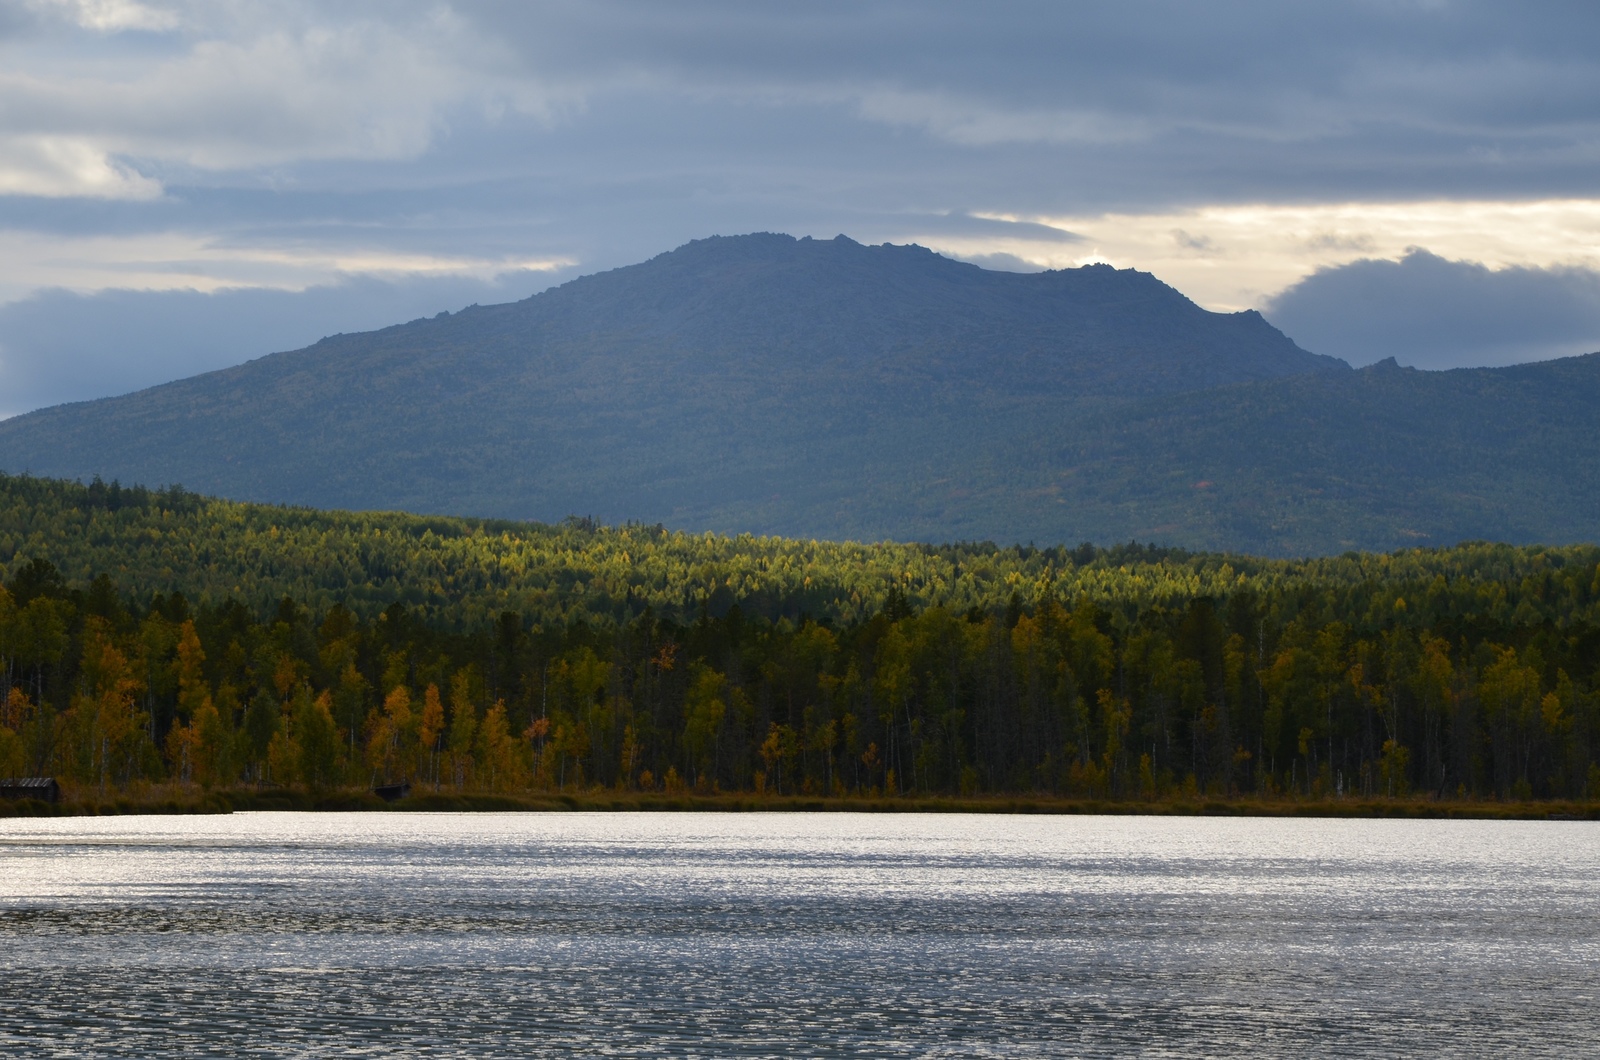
(392, 934)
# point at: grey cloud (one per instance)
(1041, 105)
(1227, 67)
(1002, 262)
(17, 18)
(967, 224)
(57, 346)
(1428, 312)
(1142, 101)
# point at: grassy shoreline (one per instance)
(245, 800)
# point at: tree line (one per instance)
(1476, 685)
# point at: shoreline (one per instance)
(248, 800)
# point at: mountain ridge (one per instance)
(822, 388)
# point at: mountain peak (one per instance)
(814, 387)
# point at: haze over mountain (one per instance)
(829, 389)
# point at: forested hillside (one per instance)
(1381, 457)
(167, 638)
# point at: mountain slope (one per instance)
(828, 389)
(1382, 457)
(729, 369)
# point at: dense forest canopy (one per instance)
(164, 637)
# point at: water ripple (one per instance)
(776, 935)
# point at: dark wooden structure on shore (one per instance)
(44, 789)
(391, 792)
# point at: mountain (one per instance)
(822, 388)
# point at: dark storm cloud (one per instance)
(1428, 312)
(877, 107)
(1165, 101)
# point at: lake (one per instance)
(393, 934)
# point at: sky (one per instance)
(187, 185)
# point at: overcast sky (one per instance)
(187, 185)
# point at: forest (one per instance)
(161, 640)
